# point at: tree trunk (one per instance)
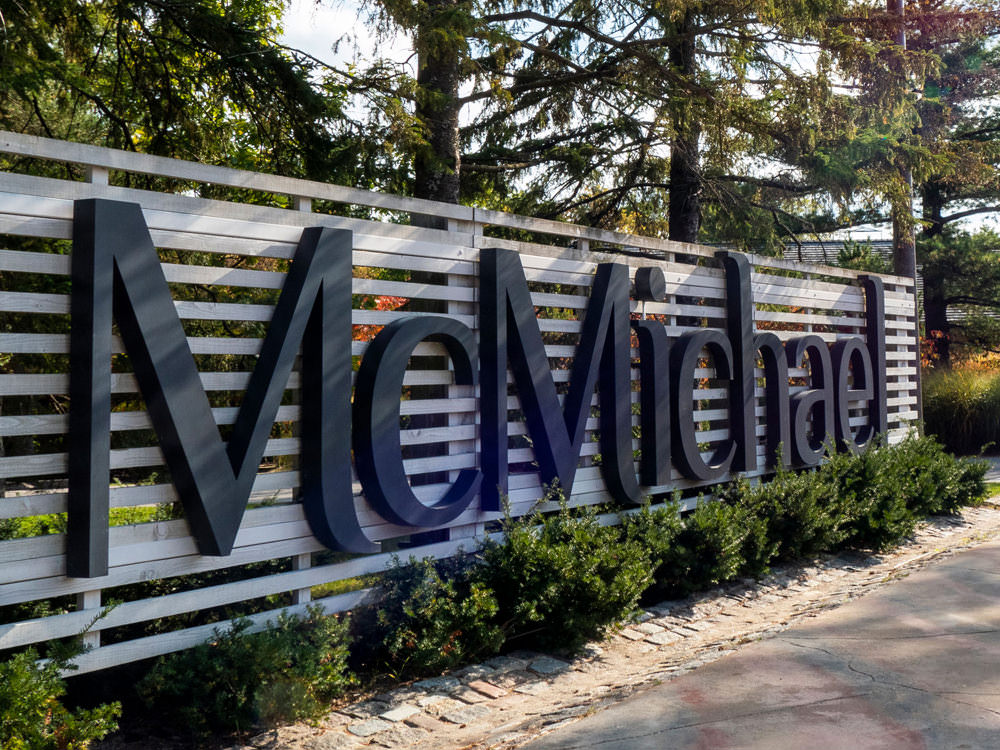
(438, 162)
(904, 254)
(436, 177)
(935, 304)
(685, 172)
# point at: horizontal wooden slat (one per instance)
(58, 304)
(85, 154)
(47, 383)
(177, 640)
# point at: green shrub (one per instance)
(289, 671)
(962, 409)
(802, 511)
(561, 579)
(655, 529)
(760, 547)
(32, 717)
(965, 485)
(884, 492)
(430, 616)
(872, 499)
(707, 549)
(932, 480)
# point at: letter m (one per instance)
(510, 333)
(116, 274)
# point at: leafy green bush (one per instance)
(884, 492)
(561, 579)
(873, 499)
(962, 409)
(707, 549)
(960, 483)
(655, 529)
(802, 511)
(32, 717)
(430, 616)
(931, 480)
(290, 670)
(760, 547)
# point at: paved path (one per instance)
(913, 665)
(993, 472)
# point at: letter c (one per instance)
(377, 450)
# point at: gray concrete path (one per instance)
(993, 472)
(913, 665)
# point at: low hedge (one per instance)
(427, 616)
(240, 678)
(554, 581)
(561, 578)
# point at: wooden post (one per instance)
(302, 562)
(97, 175)
(90, 601)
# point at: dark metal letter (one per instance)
(654, 400)
(808, 446)
(746, 345)
(851, 356)
(213, 480)
(875, 339)
(650, 284)
(776, 405)
(377, 450)
(509, 328)
(90, 390)
(739, 326)
(684, 357)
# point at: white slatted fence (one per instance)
(225, 261)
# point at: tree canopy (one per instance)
(197, 79)
(749, 123)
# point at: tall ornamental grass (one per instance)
(962, 410)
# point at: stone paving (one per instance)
(509, 700)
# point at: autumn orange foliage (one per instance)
(381, 303)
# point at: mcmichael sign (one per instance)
(117, 277)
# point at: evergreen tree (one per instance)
(615, 114)
(197, 79)
(960, 128)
